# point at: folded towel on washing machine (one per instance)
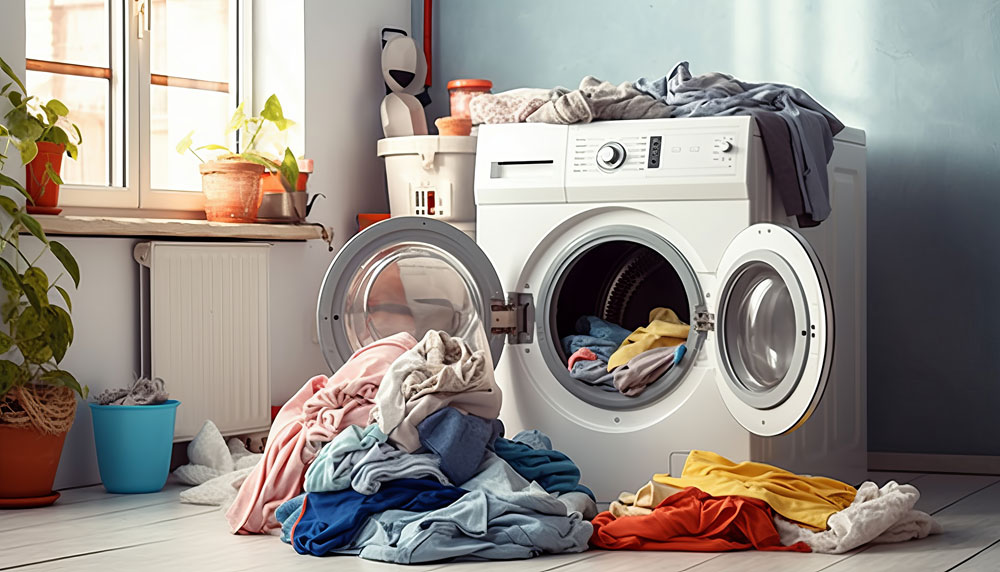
(597, 335)
(803, 499)
(437, 372)
(693, 520)
(314, 416)
(876, 515)
(599, 100)
(664, 329)
(512, 106)
(635, 376)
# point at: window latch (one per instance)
(140, 9)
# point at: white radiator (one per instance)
(205, 331)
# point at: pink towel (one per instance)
(582, 354)
(312, 417)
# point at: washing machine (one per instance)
(613, 219)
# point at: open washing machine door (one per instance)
(773, 329)
(409, 274)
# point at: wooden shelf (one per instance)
(152, 227)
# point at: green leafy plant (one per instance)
(35, 333)
(40, 332)
(30, 122)
(250, 127)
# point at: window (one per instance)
(138, 75)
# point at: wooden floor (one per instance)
(91, 530)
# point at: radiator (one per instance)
(204, 331)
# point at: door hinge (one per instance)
(704, 322)
(513, 317)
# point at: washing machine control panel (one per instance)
(669, 154)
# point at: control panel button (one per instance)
(610, 156)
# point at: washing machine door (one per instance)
(407, 274)
(773, 329)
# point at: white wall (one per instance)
(335, 96)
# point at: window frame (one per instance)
(130, 190)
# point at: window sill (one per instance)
(74, 225)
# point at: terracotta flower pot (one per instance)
(272, 182)
(46, 196)
(28, 465)
(232, 190)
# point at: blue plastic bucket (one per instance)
(134, 444)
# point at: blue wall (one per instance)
(921, 77)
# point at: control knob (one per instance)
(610, 156)
(725, 146)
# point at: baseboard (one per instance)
(932, 463)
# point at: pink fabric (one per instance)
(582, 354)
(311, 418)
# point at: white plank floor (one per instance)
(91, 530)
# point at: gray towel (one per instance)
(635, 376)
(596, 99)
(143, 391)
(810, 126)
(594, 372)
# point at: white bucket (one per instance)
(431, 175)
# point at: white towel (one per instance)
(876, 515)
(216, 467)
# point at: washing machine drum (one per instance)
(772, 323)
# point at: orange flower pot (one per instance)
(28, 465)
(232, 190)
(43, 190)
(272, 182)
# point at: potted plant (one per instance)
(40, 133)
(37, 398)
(232, 181)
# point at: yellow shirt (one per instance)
(806, 500)
(664, 329)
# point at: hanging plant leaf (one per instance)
(6, 342)
(10, 73)
(214, 147)
(289, 170)
(73, 151)
(9, 278)
(66, 259)
(184, 144)
(60, 377)
(238, 120)
(272, 112)
(65, 295)
(79, 136)
(58, 107)
(6, 86)
(22, 125)
(28, 149)
(36, 277)
(6, 181)
(34, 227)
(59, 331)
(52, 174)
(29, 324)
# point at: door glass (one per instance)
(760, 328)
(412, 287)
(191, 47)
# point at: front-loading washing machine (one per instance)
(613, 219)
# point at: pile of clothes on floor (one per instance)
(611, 358)
(797, 132)
(400, 457)
(717, 505)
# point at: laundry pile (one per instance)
(718, 505)
(400, 457)
(796, 130)
(611, 358)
